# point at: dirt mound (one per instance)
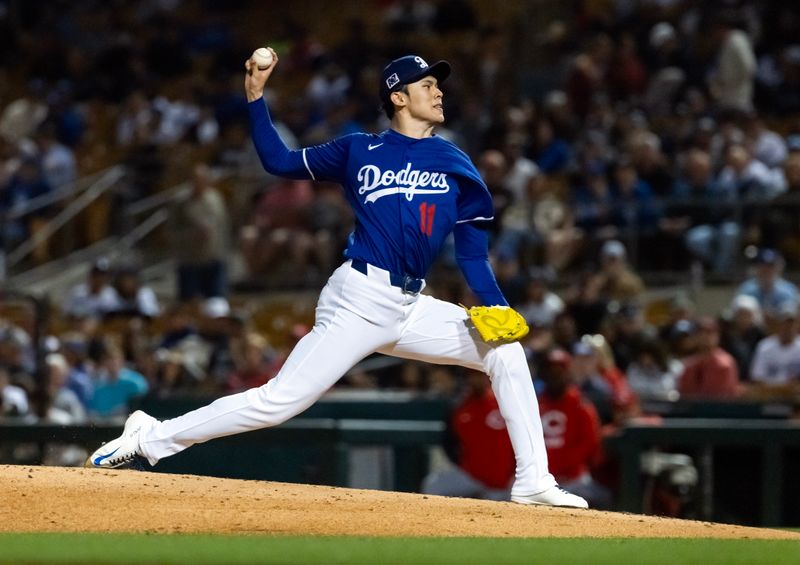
(54, 499)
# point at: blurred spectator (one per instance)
(21, 117)
(742, 330)
(551, 153)
(17, 355)
(409, 15)
(571, 431)
(115, 386)
(768, 146)
(712, 233)
(588, 377)
(777, 225)
(13, 399)
(134, 298)
(541, 305)
(277, 242)
(78, 380)
(634, 211)
(650, 162)
(710, 373)
(200, 229)
(255, 365)
(731, 83)
(64, 407)
(327, 88)
(588, 72)
(743, 176)
(625, 327)
(494, 169)
(652, 373)
(58, 161)
(777, 357)
(26, 184)
(136, 120)
(767, 285)
(96, 296)
(474, 426)
(592, 204)
(616, 279)
(681, 309)
(627, 76)
(586, 305)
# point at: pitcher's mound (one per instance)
(55, 499)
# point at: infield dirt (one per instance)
(55, 499)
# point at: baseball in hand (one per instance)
(262, 57)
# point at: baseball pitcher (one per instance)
(409, 190)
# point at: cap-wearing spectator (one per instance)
(571, 431)
(767, 285)
(617, 281)
(743, 329)
(777, 357)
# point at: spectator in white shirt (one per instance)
(95, 297)
(745, 176)
(768, 146)
(731, 83)
(777, 357)
(58, 160)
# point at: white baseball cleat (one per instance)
(554, 496)
(124, 450)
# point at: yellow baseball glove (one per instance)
(498, 323)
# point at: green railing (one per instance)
(773, 439)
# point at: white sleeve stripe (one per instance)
(477, 219)
(305, 162)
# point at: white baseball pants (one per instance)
(357, 315)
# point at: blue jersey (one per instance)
(407, 194)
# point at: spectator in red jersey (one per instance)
(571, 431)
(712, 371)
(479, 445)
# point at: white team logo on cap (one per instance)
(422, 63)
(392, 80)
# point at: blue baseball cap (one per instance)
(408, 69)
(768, 256)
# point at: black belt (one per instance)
(406, 283)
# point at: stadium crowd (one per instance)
(618, 140)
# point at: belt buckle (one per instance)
(409, 280)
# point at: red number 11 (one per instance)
(426, 214)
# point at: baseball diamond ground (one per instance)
(54, 499)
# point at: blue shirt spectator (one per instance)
(767, 285)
